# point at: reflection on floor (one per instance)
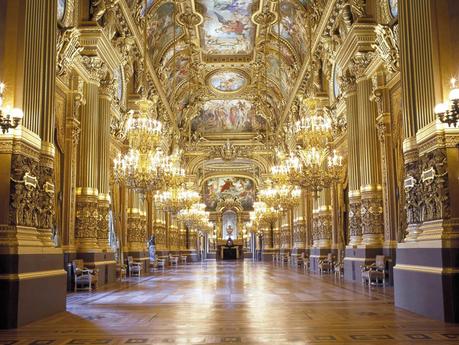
(245, 303)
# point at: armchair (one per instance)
(174, 260)
(135, 268)
(84, 278)
(326, 264)
(375, 272)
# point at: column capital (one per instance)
(95, 67)
(359, 64)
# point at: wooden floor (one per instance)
(229, 302)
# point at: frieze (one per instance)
(372, 215)
(355, 220)
(24, 191)
(86, 218)
(434, 181)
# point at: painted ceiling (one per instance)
(223, 72)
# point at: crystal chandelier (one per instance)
(142, 130)
(9, 117)
(449, 112)
(316, 169)
(139, 171)
(314, 129)
(176, 198)
(194, 217)
(174, 175)
(262, 213)
(281, 197)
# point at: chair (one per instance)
(161, 263)
(183, 259)
(326, 265)
(135, 268)
(121, 270)
(375, 272)
(84, 278)
(174, 260)
(300, 259)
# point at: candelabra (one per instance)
(9, 117)
(449, 112)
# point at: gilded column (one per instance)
(349, 88)
(72, 137)
(135, 233)
(325, 219)
(106, 90)
(87, 187)
(389, 184)
(370, 171)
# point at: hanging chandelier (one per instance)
(174, 175)
(142, 130)
(139, 171)
(194, 217)
(314, 128)
(174, 199)
(315, 169)
(281, 197)
(262, 213)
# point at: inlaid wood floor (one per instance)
(229, 302)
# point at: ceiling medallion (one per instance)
(227, 81)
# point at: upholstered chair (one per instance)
(376, 272)
(326, 264)
(84, 278)
(135, 268)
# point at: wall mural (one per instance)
(227, 81)
(235, 115)
(393, 5)
(285, 75)
(161, 29)
(218, 188)
(61, 4)
(227, 27)
(293, 26)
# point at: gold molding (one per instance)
(33, 275)
(427, 269)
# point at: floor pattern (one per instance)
(229, 302)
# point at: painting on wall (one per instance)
(161, 29)
(175, 73)
(218, 188)
(280, 74)
(227, 28)
(227, 81)
(61, 4)
(393, 5)
(235, 115)
(293, 26)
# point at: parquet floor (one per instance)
(229, 302)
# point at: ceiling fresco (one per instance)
(160, 31)
(225, 75)
(226, 116)
(227, 28)
(293, 26)
(227, 81)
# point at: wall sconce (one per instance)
(449, 112)
(9, 117)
